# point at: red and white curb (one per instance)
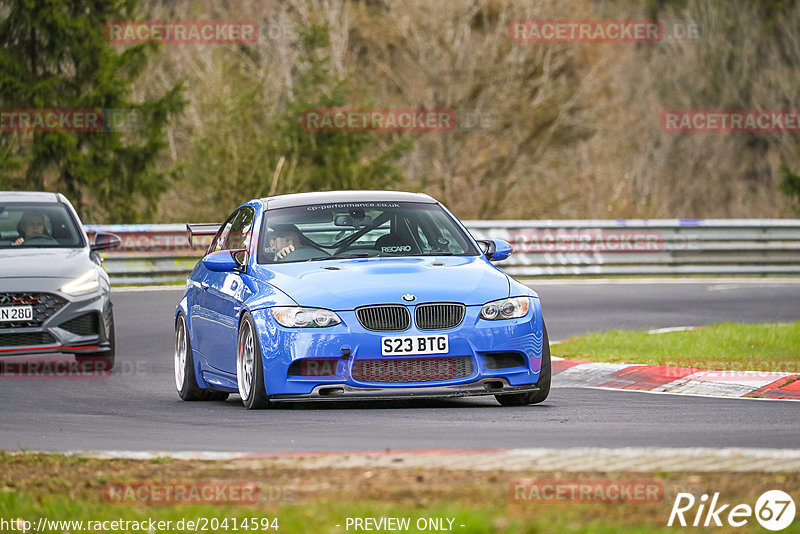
(680, 380)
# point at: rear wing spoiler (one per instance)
(193, 230)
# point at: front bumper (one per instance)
(347, 344)
(66, 324)
(336, 392)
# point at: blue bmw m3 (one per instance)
(355, 295)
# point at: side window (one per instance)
(439, 237)
(370, 238)
(241, 228)
(454, 245)
(423, 240)
(222, 235)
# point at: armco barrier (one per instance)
(150, 253)
(161, 253)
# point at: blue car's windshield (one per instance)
(38, 225)
(362, 229)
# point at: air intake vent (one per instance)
(87, 324)
(25, 339)
(313, 367)
(387, 318)
(439, 316)
(504, 360)
(412, 369)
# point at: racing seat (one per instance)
(61, 231)
(395, 244)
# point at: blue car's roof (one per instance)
(327, 197)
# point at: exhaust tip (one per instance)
(331, 392)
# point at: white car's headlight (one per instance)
(512, 308)
(298, 317)
(85, 283)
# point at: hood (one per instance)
(44, 262)
(347, 284)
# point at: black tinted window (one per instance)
(235, 233)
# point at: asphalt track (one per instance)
(138, 409)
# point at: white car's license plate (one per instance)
(16, 313)
(392, 346)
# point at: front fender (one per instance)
(183, 306)
(265, 295)
(517, 288)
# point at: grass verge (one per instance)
(317, 500)
(726, 346)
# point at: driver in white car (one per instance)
(31, 224)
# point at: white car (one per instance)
(54, 292)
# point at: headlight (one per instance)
(506, 308)
(297, 317)
(85, 283)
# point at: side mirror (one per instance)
(495, 249)
(105, 241)
(223, 261)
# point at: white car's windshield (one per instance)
(362, 229)
(39, 225)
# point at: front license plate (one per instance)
(392, 346)
(16, 313)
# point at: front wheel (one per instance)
(185, 379)
(249, 368)
(533, 397)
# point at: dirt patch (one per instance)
(281, 483)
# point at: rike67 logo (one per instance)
(774, 510)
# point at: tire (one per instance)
(103, 360)
(533, 397)
(249, 368)
(185, 379)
